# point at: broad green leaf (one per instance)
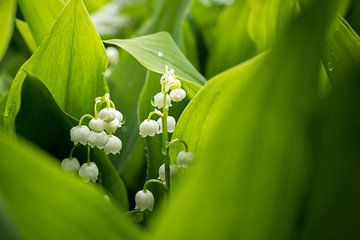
(40, 15)
(49, 128)
(342, 51)
(268, 18)
(70, 62)
(7, 15)
(45, 203)
(25, 32)
(252, 168)
(146, 48)
(353, 16)
(225, 50)
(93, 5)
(7, 228)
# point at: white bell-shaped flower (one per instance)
(173, 171)
(89, 171)
(110, 127)
(96, 124)
(184, 159)
(144, 200)
(171, 123)
(113, 55)
(177, 94)
(119, 116)
(107, 114)
(70, 165)
(79, 134)
(113, 146)
(159, 100)
(98, 140)
(148, 128)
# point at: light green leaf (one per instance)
(7, 15)
(70, 62)
(342, 52)
(46, 203)
(25, 32)
(226, 51)
(146, 48)
(40, 16)
(247, 129)
(268, 19)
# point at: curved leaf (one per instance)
(252, 167)
(40, 16)
(7, 15)
(46, 203)
(146, 48)
(70, 62)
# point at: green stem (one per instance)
(72, 150)
(176, 140)
(157, 112)
(88, 154)
(83, 117)
(153, 181)
(165, 153)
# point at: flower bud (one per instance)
(89, 171)
(148, 128)
(79, 134)
(159, 100)
(70, 165)
(119, 116)
(144, 200)
(171, 123)
(184, 159)
(96, 124)
(177, 95)
(113, 146)
(107, 114)
(113, 55)
(98, 139)
(173, 171)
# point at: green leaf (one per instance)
(342, 52)
(25, 32)
(268, 19)
(220, 55)
(70, 62)
(146, 48)
(40, 16)
(7, 15)
(247, 129)
(46, 203)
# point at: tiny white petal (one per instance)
(173, 171)
(177, 95)
(113, 146)
(171, 123)
(96, 125)
(159, 100)
(89, 171)
(70, 165)
(148, 128)
(144, 200)
(118, 116)
(79, 134)
(184, 159)
(107, 114)
(98, 140)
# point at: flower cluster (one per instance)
(171, 91)
(98, 133)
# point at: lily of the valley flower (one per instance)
(70, 165)
(89, 172)
(173, 171)
(79, 134)
(144, 200)
(159, 100)
(171, 122)
(184, 159)
(148, 128)
(113, 146)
